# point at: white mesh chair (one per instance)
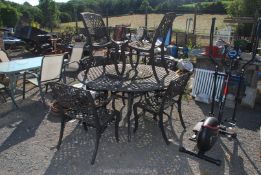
(51, 71)
(3, 56)
(72, 68)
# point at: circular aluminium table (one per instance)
(132, 81)
(140, 79)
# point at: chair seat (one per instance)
(71, 69)
(140, 46)
(33, 81)
(153, 104)
(82, 86)
(105, 116)
(101, 44)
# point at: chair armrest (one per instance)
(102, 101)
(70, 62)
(66, 57)
(32, 73)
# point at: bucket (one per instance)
(216, 52)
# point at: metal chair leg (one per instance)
(136, 118)
(180, 114)
(162, 129)
(98, 136)
(4, 98)
(117, 126)
(41, 92)
(12, 98)
(63, 122)
(85, 126)
(24, 79)
(46, 88)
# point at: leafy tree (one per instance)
(8, 15)
(244, 7)
(166, 6)
(145, 5)
(50, 13)
(65, 17)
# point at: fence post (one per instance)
(146, 22)
(195, 20)
(76, 19)
(107, 18)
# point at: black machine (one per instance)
(206, 132)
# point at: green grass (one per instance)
(204, 4)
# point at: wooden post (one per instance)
(146, 22)
(107, 18)
(195, 20)
(1, 40)
(76, 20)
(253, 28)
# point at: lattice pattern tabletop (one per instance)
(140, 79)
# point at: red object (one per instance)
(210, 127)
(216, 52)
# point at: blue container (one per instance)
(169, 49)
(185, 51)
(174, 51)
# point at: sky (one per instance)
(34, 2)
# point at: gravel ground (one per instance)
(28, 136)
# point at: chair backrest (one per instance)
(119, 33)
(51, 68)
(138, 35)
(3, 56)
(74, 99)
(177, 87)
(163, 28)
(95, 27)
(77, 51)
(2, 86)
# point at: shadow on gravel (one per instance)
(147, 153)
(24, 120)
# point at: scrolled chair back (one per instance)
(95, 26)
(163, 28)
(177, 87)
(69, 97)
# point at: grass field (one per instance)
(192, 5)
(202, 25)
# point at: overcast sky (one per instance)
(34, 2)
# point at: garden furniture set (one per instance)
(152, 87)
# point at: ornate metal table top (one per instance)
(140, 79)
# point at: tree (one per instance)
(50, 13)
(244, 7)
(65, 17)
(8, 15)
(145, 5)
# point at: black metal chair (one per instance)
(97, 37)
(75, 103)
(148, 48)
(156, 103)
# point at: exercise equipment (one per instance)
(206, 132)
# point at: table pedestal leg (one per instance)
(128, 115)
